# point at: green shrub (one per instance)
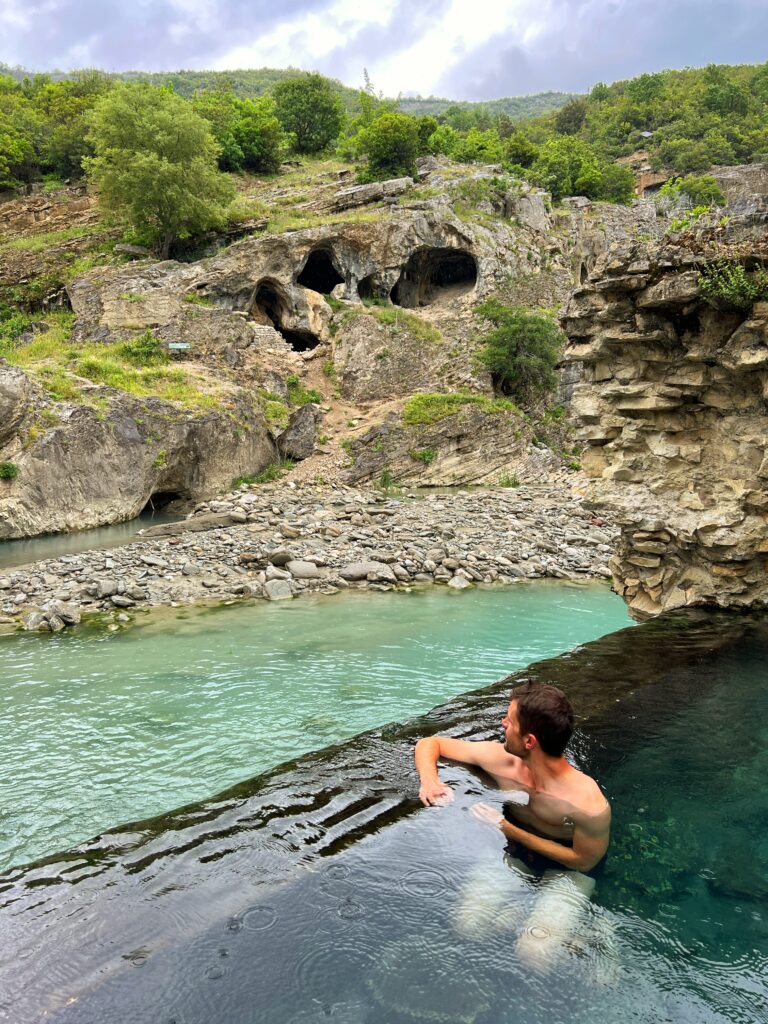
(272, 472)
(522, 350)
(425, 455)
(298, 394)
(726, 285)
(509, 480)
(701, 189)
(391, 143)
(386, 480)
(8, 470)
(146, 350)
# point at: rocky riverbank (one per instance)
(276, 542)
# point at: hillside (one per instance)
(249, 83)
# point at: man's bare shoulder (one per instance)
(587, 796)
(484, 753)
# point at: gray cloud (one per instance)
(584, 41)
(588, 41)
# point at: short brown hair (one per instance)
(546, 712)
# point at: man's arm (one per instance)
(590, 838)
(484, 754)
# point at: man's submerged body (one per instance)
(560, 819)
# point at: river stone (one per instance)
(361, 570)
(121, 601)
(55, 624)
(303, 570)
(68, 613)
(277, 590)
(273, 573)
(459, 583)
(280, 557)
(35, 621)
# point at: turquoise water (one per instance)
(54, 545)
(103, 728)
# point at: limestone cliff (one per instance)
(672, 404)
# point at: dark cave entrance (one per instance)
(270, 307)
(300, 341)
(164, 501)
(434, 275)
(319, 273)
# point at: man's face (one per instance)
(513, 740)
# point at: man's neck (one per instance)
(545, 769)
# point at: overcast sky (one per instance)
(462, 49)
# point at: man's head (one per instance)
(539, 716)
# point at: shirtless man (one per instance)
(561, 820)
(559, 812)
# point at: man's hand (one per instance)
(435, 794)
(486, 814)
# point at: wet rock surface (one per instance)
(296, 540)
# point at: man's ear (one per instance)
(530, 741)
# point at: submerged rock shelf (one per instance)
(277, 542)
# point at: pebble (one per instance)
(290, 543)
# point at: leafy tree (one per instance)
(308, 108)
(702, 190)
(259, 135)
(519, 150)
(15, 152)
(443, 140)
(570, 118)
(521, 351)
(479, 147)
(566, 166)
(427, 127)
(155, 165)
(616, 184)
(391, 144)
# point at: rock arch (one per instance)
(320, 272)
(270, 307)
(434, 275)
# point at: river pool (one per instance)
(101, 728)
(322, 891)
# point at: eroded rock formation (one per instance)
(672, 403)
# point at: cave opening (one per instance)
(686, 324)
(164, 501)
(300, 341)
(270, 307)
(368, 289)
(319, 273)
(434, 275)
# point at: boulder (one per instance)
(366, 570)
(277, 590)
(303, 570)
(297, 441)
(15, 394)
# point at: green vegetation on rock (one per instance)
(8, 470)
(727, 285)
(521, 351)
(426, 408)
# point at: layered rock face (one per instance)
(672, 404)
(89, 464)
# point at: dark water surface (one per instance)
(322, 891)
